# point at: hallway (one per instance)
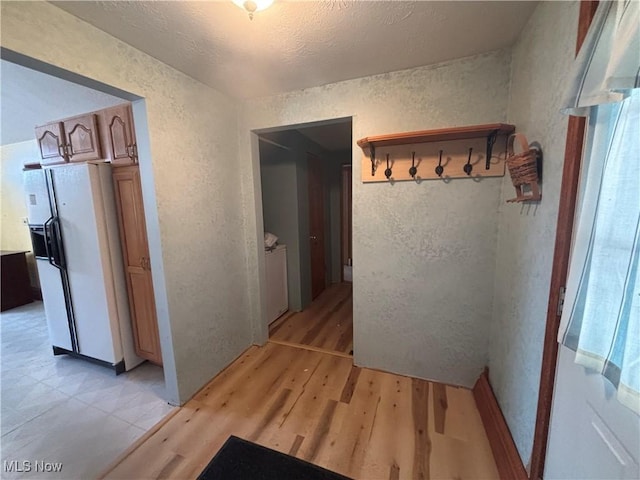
(326, 325)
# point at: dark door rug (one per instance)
(239, 459)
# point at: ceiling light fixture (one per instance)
(252, 6)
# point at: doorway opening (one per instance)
(305, 173)
(83, 318)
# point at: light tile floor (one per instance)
(63, 409)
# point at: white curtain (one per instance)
(601, 317)
(608, 64)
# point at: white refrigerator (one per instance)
(74, 232)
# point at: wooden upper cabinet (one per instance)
(51, 143)
(118, 135)
(105, 134)
(81, 135)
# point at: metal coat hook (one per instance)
(491, 140)
(440, 168)
(373, 160)
(468, 167)
(387, 172)
(413, 170)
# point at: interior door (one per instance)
(592, 435)
(133, 238)
(316, 225)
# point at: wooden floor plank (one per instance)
(391, 441)
(422, 441)
(293, 400)
(439, 406)
(354, 434)
(350, 384)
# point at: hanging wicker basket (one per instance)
(523, 168)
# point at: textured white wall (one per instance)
(280, 210)
(423, 254)
(14, 235)
(200, 274)
(526, 238)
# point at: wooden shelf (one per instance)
(462, 152)
(440, 135)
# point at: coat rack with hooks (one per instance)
(461, 152)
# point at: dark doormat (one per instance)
(239, 459)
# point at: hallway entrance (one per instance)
(327, 325)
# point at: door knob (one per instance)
(313, 237)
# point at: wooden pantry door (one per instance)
(135, 252)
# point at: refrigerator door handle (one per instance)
(53, 243)
(47, 241)
(58, 253)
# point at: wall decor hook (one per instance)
(468, 168)
(440, 168)
(491, 140)
(387, 172)
(373, 160)
(413, 170)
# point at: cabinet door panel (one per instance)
(131, 232)
(144, 312)
(118, 134)
(50, 142)
(82, 138)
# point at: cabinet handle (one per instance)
(132, 152)
(145, 263)
(64, 151)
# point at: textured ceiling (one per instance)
(300, 44)
(29, 98)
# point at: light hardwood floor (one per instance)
(319, 407)
(327, 324)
